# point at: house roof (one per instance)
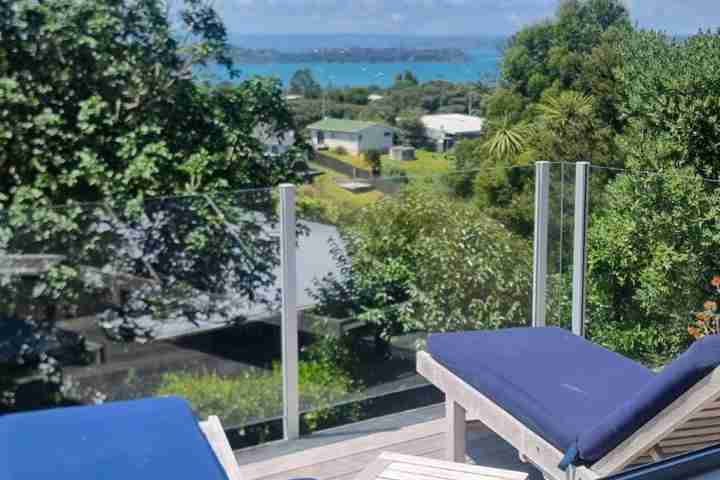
(342, 125)
(454, 123)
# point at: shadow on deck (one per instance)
(341, 453)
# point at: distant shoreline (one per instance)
(350, 55)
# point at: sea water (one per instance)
(484, 65)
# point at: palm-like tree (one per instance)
(508, 138)
(569, 109)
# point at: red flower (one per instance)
(715, 282)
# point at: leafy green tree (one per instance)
(554, 52)
(474, 274)
(303, 83)
(652, 251)
(99, 105)
(671, 98)
(402, 259)
(413, 130)
(405, 79)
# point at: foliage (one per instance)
(506, 140)
(671, 97)
(707, 322)
(253, 395)
(650, 251)
(567, 129)
(325, 201)
(340, 150)
(465, 161)
(99, 106)
(472, 274)
(413, 130)
(409, 100)
(405, 79)
(303, 83)
(400, 252)
(373, 158)
(554, 53)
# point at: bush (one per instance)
(340, 150)
(707, 322)
(651, 251)
(374, 159)
(254, 395)
(422, 261)
(473, 274)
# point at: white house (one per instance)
(354, 136)
(444, 130)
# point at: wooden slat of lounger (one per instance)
(422, 463)
(673, 442)
(308, 458)
(693, 404)
(672, 451)
(213, 430)
(694, 432)
(701, 422)
(393, 466)
(349, 463)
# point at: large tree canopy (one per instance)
(554, 53)
(671, 98)
(99, 104)
(99, 101)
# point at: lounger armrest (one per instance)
(671, 383)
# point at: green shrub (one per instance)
(650, 253)
(340, 150)
(254, 395)
(374, 159)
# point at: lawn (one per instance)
(427, 163)
(325, 188)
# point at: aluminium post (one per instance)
(289, 314)
(540, 244)
(582, 175)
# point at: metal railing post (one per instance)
(290, 354)
(582, 175)
(540, 245)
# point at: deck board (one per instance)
(344, 459)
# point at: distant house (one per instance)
(445, 130)
(354, 136)
(374, 97)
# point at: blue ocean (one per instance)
(484, 64)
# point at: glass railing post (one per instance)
(582, 174)
(540, 245)
(288, 246)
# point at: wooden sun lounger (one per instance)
(215, 434)
(394, 466)
(689, 423)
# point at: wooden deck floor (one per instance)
(346, 451)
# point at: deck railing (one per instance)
(282, 312)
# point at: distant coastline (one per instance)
(349, 55)
(482, 57)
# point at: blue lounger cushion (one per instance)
(149, 439)
(580, 397)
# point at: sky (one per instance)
(440, 17)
